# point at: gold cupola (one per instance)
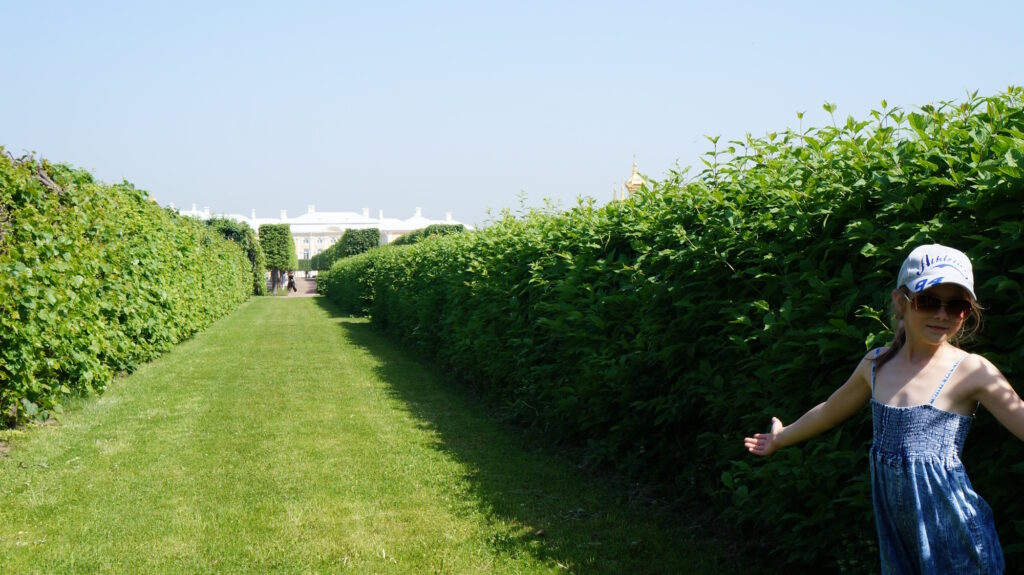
(635, 182)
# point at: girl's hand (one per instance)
(764, 443)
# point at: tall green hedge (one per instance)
(243, 235)
(433, 230)
(349, 282)
(95, 279)
(658, 331)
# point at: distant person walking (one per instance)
(291, 282)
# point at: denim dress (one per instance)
(929, 518)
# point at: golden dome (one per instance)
(635, 182)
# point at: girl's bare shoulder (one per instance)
(864, 366)
(874, 353)
(977, 371)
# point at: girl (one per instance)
(923, 392)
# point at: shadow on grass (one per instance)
(561, 513)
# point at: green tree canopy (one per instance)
(276, 240)
(352, 242)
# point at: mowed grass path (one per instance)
(288, 439)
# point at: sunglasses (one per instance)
(930, 304)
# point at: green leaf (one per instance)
(868, 250)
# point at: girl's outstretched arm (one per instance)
(994, 392)
(843, 403)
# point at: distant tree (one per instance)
(276, 240)
(352, 242)
(358, 241)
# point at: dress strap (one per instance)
(945, 379)
(874, 363)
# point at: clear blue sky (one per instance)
(458, 106)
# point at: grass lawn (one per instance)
(288, 439)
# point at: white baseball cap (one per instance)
(932, 265)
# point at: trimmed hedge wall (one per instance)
(658, 331)
(244, 236)
(349, 281)
(95, 279)
(433, 230)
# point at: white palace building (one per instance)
(313, 231)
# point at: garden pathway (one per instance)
(287, 438)
(306, 286)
